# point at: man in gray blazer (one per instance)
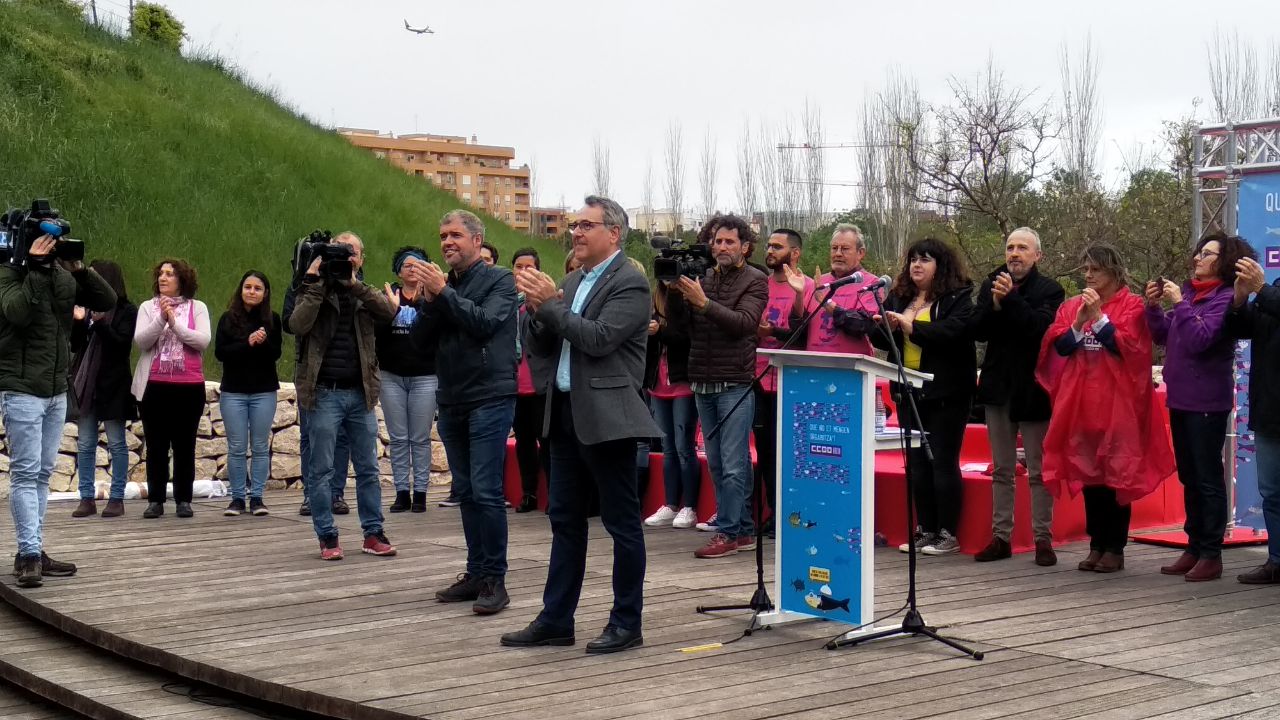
(594, 331)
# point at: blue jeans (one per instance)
(87, 455)
(729, 456)
(681, 473)
(247, 418)
(475, 441)
(341, 456)
(33, 428)
(343, 411)
(1267, 454)
(409, 406)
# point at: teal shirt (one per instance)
(589, 279)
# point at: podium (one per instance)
(824, 559)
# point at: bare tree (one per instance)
(987, 147)
(814, 165)
(1233, 76)
(1081, 114)
(600, 167)
(890, 184)
(674, 152)
(1271, 79)
(792, 190)
(748, 184)
(646, 201)
(535, 182)
(707, 172)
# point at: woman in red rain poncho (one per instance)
(1106, 435)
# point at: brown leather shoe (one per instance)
(1110, 562)
(997, 549)
(1265, 574)
(1205, 569)
(1185, 562)
(114, 508)
(1045, 556)
(85, 509)
(1090, 563)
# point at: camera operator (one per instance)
(36, 303)
(720, 313)
(337, 383)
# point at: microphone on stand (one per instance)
(880, 282)
(846, 280)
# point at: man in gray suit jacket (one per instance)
(594, 332)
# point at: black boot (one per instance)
(419, 502)
(402, 502)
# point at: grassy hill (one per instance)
(149, 155)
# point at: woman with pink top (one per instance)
(172, 333)
(533, 454)
(673, 407)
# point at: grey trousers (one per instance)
(1003, 436)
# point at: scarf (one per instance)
(1204, 288)
(170, 352)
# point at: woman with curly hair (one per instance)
(1199, 370)
(929, 309)
(172, 333)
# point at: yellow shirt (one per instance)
(911, 351)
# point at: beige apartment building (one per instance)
(480, 175)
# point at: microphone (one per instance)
(880, 282)
(847, 280)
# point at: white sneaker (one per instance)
(686, 518)
(922, 539)
(664, 516)
(944, 544)
(709, 525)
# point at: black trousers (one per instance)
(765, 429)
(611, 468)
(533, 453)
(1106, 521)
(936, 489)
(170, 417)
(1197, 446)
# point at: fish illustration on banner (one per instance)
(824, 602)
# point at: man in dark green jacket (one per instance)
(36, 301)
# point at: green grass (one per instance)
(149, 155)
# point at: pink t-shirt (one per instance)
(823, 335)
(524, 378)
(664, 389)
(778, 314)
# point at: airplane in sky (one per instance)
(424, 30)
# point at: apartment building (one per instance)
(481, 176)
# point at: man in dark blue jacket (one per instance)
(470, 316)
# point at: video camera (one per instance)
(675, 258)
(335, 258)
(19, 229)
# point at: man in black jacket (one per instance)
(1015, 307)
(470, 315)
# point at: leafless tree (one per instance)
(674, 152)
(1233, 76)
(535, 182)
(890, 185)
(814, 165)
(600, 167)
(646, 202)
(1272, 81)
(748, 183)
(1081, 114)
(707, 173)
(987, 147)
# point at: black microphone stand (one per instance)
(760, 601)
(912, 622)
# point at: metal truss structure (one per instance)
(1224, 153)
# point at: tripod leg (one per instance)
(927, 632)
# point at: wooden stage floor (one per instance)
(245, 602)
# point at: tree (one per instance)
(1233, 76)
(747, 184)
(815, 167)
(646, 203)
(674, 153)
(155, 23)
(600, 167)
(1081, 115)
(707, 175)
(890, 184)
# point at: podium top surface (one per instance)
(862, 363)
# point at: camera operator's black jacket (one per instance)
(314, 319)
(472, 324)
(35, 324)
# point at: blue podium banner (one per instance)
(1258, 221)
(821, 453)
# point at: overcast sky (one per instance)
(548, 77)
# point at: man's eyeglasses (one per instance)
(583, 225)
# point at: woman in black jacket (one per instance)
(929, 310)
(248, 344)
(100, 384)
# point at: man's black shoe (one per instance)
(401, 502)
(29, 575)
(419, 504)
(1265, 574)
(614, 639)
(340, 506)
(527, 504)
(535, 634)
(305, 508)
(465, 589)
(493, 597)
(154, 510)
(184, 510)
(48, 566)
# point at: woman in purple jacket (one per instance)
(1198, 371)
